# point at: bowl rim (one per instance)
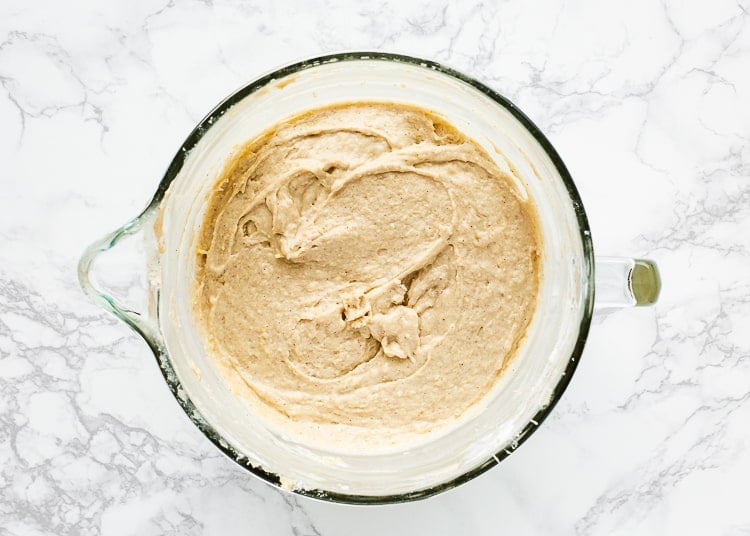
(273, 479)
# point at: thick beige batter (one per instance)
(365, 269)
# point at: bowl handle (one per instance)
(104, 284)
(623, 282)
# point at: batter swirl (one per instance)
(367, 268)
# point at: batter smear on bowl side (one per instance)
(365, 272)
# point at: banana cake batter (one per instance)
(365, 271)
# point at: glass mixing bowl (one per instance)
(146, 274)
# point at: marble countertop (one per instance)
(648, 103)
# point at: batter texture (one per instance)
(365, 269)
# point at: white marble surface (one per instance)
(649, 104)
